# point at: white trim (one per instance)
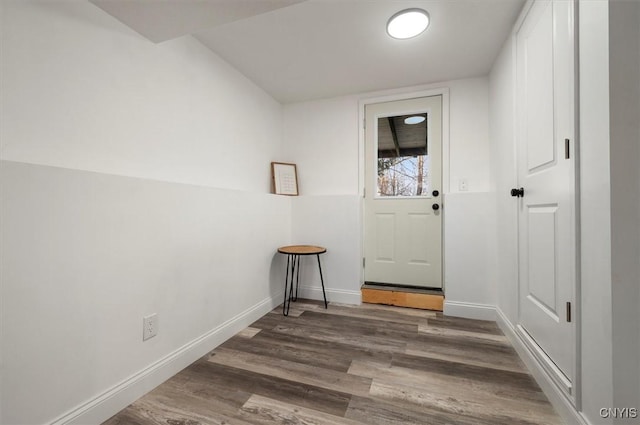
(342, 296)
(554, 371)
(469, 310)
(554, 393)
(116, 398)
(577, 290)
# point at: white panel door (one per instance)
(546, 172)
(403, 231)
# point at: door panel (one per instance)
(385, 235)
(403, 234)
(418, 239)
(538, 45)
(545, 118)
(542, 253)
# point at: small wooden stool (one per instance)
(294, 252)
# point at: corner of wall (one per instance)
(470, 310)
(595, 209)
(468, 250)
(624, 69)
(331, 221)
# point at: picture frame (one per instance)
(284, 177)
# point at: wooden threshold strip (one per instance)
(402, 298)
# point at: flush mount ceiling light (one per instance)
(408, 23)
(416, 119)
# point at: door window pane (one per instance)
(403, 159)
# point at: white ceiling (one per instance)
(323, 48)
(161, 20)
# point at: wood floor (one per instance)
(369, 364)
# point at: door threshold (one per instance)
(402, 288)
(403, 296)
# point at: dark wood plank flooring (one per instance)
(369, 364)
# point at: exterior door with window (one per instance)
(403, 192)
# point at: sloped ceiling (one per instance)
(161, 20)
(304, 50)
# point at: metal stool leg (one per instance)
(322, 281)
(293, 271)
(294, 265)
(295, 296)
(285, 309)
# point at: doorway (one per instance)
(403, 193)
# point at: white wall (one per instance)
(504, 178)
(87, 255)
(595, 210)
(469, 254)
(1, 126)
(134, 180)
(332, 221)
(624, 89)
(322, 137)
(469, 153)
(83, 91)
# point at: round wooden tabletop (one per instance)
(302, 250)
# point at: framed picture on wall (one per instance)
(285, 178)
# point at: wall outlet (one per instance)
(149, 326)
(463, 184)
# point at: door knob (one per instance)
(435, 193)
(435, 207)
(518, 193)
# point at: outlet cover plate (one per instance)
(149, 326)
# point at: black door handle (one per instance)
(435, 193)
(518, 193)
(435, 207)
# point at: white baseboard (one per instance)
(554, 393)
(107, 404)
(469, 310)
(333, 295)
